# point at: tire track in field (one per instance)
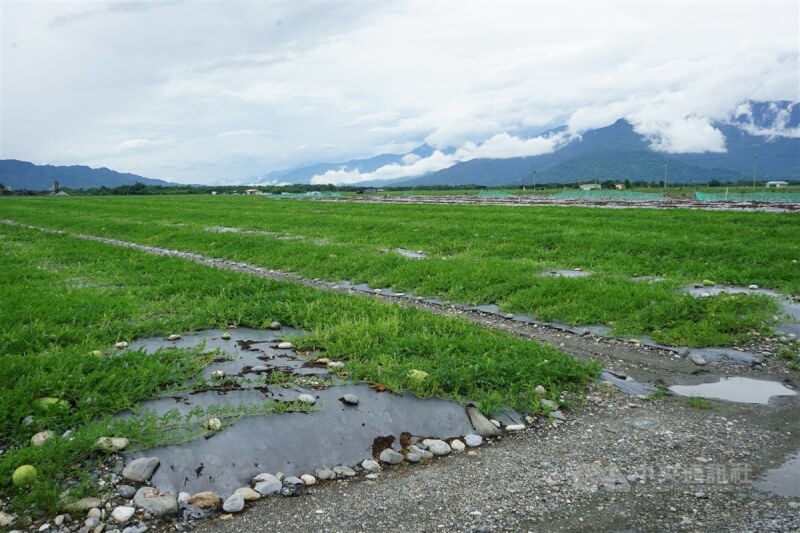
(644, 363)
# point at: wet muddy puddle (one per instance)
(783, 480)
(330, 433)
(736, 389)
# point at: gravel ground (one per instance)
(577, 477)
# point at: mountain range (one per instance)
(23, 175)
(766, 130)
(764, 135)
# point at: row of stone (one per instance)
(156, 504)
(159, 504)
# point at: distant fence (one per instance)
(610, 195)
(747, 197)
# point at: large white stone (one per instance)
(40, 438)
(234, 503)
(437, 447)
(266, 484)
(122, 513)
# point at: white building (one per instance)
(590, 187)
(777, 184)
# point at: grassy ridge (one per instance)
(61, 298)
(482, 254)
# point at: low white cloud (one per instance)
(139, 144)
(504, 146)
(776, 125)
(682, 136)
(500, 146)
(236, 133)
(438, 160)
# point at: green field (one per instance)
(62, 298)
(482, 254)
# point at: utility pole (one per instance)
(666, 162)
(533, 172)
(596, 168)
(755, 169)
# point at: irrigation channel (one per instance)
(311, 440)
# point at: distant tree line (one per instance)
(140, 189)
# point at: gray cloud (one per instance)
(205, 91)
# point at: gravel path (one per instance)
(617, 465)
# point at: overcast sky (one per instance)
(202, 91)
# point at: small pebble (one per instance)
(344, 471)
(122, 513)
(349, 399)
(472, 440)
(370, 465)
(391, 457)
(306, 398)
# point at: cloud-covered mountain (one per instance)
(23, 175)
(762, 133)
(768, 118)
(304, 174)
(768, 131)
